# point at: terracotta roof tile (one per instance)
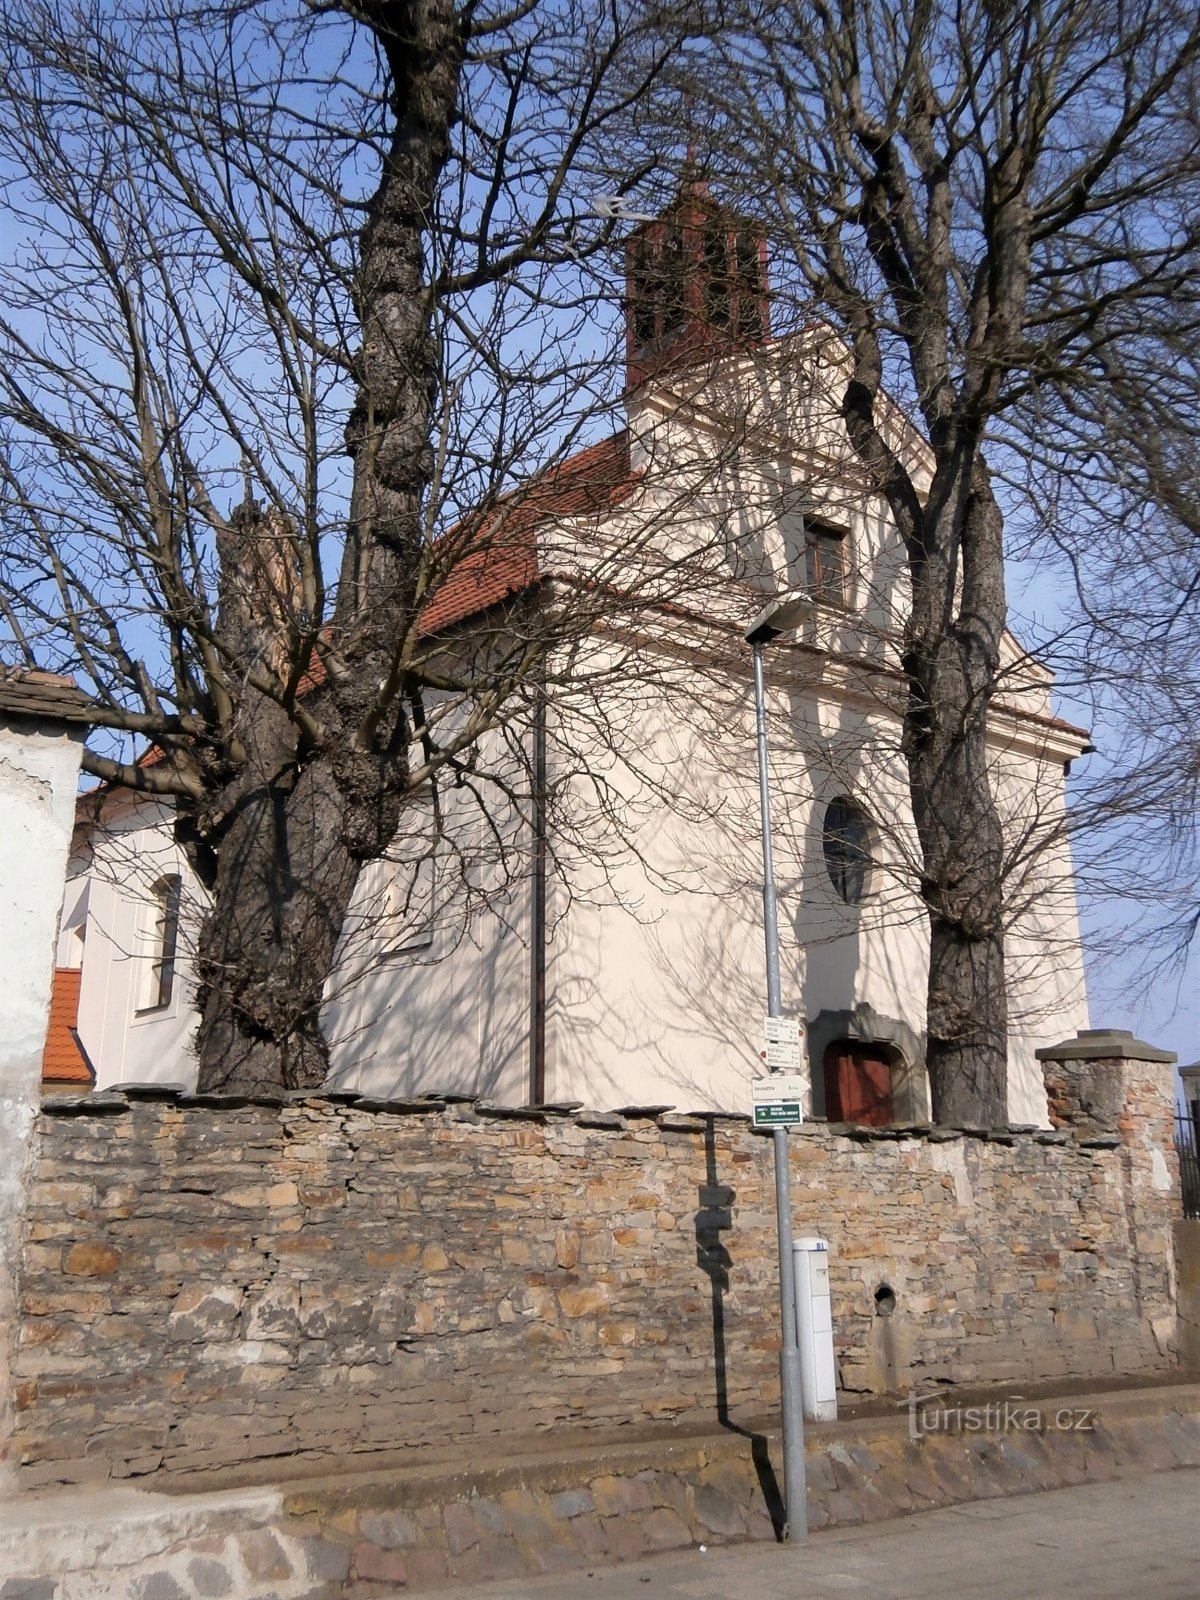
(506, 560)
(63, 1060)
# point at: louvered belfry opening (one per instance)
(696, 286)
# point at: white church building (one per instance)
(606, 948)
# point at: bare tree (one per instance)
(1125, 537)
(995, 206)
(338, 254)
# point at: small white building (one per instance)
(616, 957)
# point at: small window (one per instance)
(848, 854)
(407, 919)
(162, 939)
(825, 562)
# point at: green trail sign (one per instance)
(777, 1101)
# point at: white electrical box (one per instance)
(814, 1330)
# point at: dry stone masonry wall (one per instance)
(264, 1287)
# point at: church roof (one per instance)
(501, 555)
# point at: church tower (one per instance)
(695, 285)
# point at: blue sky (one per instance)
(1135, 980)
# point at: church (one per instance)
(577, 916)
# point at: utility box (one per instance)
(814, 1330)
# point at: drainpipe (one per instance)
(537, 929)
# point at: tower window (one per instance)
(671, 278)
(748, 279)
(716, 276)
(644, 293)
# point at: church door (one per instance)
(858, 1083)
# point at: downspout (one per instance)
(537, 930)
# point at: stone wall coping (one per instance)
(31, 694)
(1105, 1044)
(468, 1112)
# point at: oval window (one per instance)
(847, 838)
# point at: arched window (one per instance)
(162, 943)
(848, 854)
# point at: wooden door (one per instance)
(858, 1083)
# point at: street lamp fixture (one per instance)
(783, 614)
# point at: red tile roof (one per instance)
(502, 555)
(63, 1060)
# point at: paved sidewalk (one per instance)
(1135, 1539)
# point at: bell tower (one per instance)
(695, 286)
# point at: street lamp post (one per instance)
(782, 615)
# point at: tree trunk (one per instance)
(283, 885)
(955, 544)
(296, 823)
(952, 671)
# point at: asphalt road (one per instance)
(1136, 1539)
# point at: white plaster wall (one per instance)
(1047, 987)
(659, 968)
(714, 519)
(130, 848)
(403, 1016)
(409, 1014)
(656, 962)
(39, 769)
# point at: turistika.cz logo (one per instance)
(929, 1413)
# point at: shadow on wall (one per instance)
(434, 1019)
(713, 1218)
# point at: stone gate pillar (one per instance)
(1107, 1088)
(42, 722)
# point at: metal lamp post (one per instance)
(783, 614)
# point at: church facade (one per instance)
(594, 932)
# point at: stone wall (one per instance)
(261, 1287)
